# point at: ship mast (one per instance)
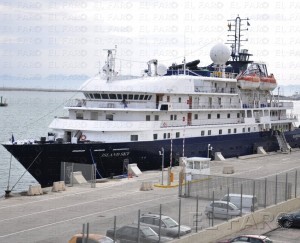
(240, 57)
(109, 67)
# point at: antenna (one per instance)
(235, 25)
(109, 67)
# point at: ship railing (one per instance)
(258, 105)
(223, 74)
(288, 105)
(289, 117)
(75, 103)
(110, 104)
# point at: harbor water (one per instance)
(28, 115)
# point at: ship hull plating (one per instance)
(43, 161)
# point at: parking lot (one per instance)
(55, 217)
(281, 235)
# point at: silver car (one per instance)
(222, 210)
(169, 227)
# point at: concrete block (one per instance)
(228, 169)
(146, 186)
(78, 178)
(35, 190)
(58, 186)
(134, 169)
(219, 156)
(260, 150)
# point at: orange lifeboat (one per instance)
(268, 83)
(249, 81)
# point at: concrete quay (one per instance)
(56, 216)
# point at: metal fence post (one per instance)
(138, 235)
(159, 229)
(87, 232)
(83, 233)
(276, 189)
(179, 218)
(213, 209)
(253, 209)
(197, 208)
(241, 200)
(296, 173)
(115, 228)
(265, 201)
(286, 186)
(227, 203)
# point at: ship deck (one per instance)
(56, 216)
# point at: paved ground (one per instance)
(55, 217)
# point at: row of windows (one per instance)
(177, 135)
(173, 117)
(117, 96)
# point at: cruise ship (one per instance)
(183, 110)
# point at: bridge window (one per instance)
(104, 96)
(97, 96)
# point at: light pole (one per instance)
(209, 148)
(162, 153)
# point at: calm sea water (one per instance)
(28, 115)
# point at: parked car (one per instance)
(93, 238)
(249, 202)
(289, 220)
(129, 234)
(169, 227)
(249, 238)
(218, 209)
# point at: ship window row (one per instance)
(100, 96)
(203, 133)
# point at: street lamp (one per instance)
(162, 154)
(209, 148)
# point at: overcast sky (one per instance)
(40, 38)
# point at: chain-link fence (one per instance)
(80, 174)
(268, 191)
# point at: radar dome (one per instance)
(161, 70)
(220, 54)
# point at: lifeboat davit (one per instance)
(249, 81)
(268, 83)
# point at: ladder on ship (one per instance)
(283, 144)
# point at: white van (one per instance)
(248, 201)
